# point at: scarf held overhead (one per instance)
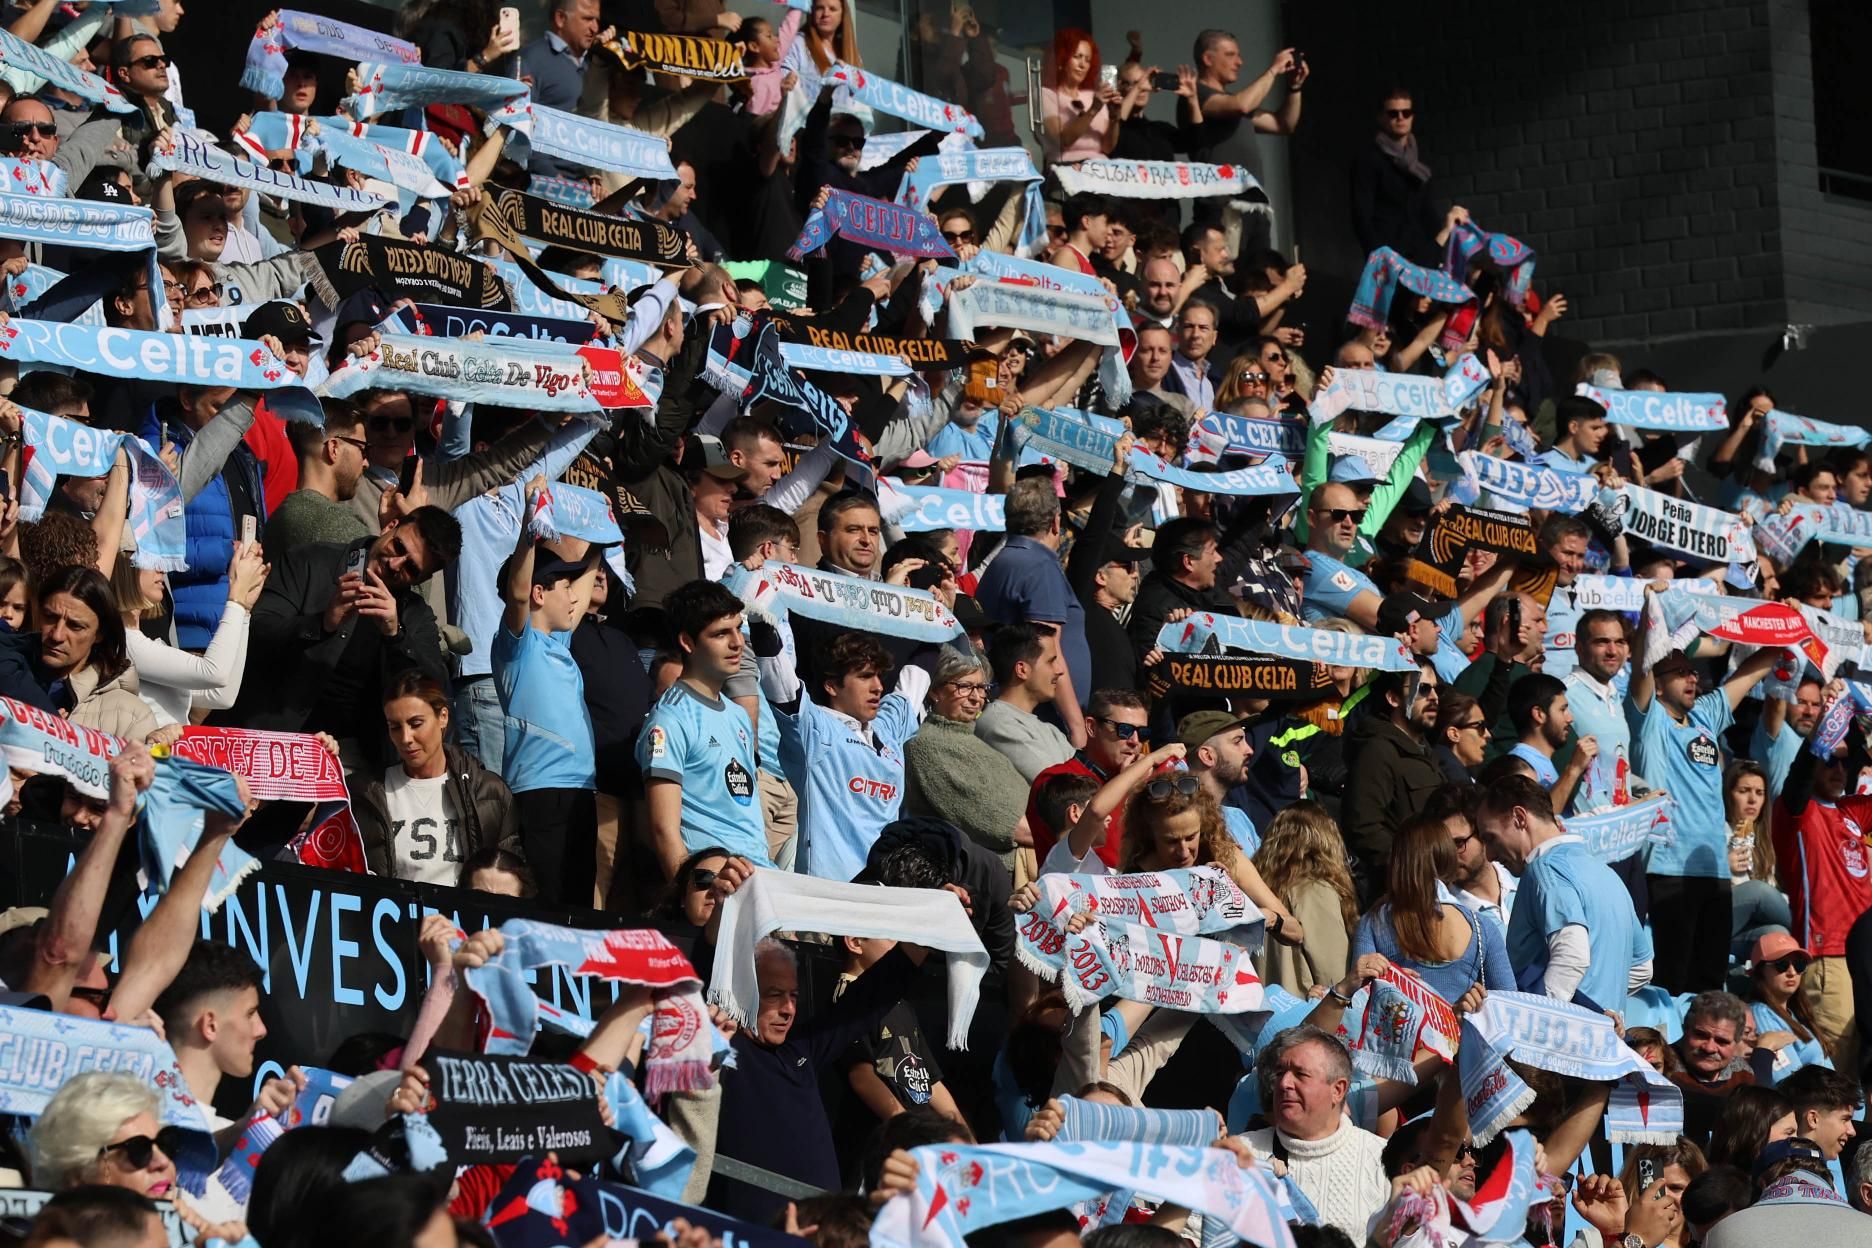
(1785, 428)
(886, 227)
(418, 271)
(1511, 255)
(1196, 634)
(265, 72)
(492, 370)
(1703, 533)
(19, 55)
(56, 447)
(681, 1033)
(1155, 179)
(896, 100)
(1400, 394)
(1616, 834)
(848, 601)
(1524, 485)
(170, 822)
(773, 901)
(1654, 409)
(596, 144)
(1385, 271)
(188, 154)
(1077, 438)
(1006, 305)
(687, 56)
(387, 88)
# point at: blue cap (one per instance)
(1351, 470)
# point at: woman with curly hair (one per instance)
(1079, 113)
(1302, 861)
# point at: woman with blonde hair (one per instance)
(1246, 377)
(103, 1128)
(1302, 861)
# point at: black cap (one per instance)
(283, 319)
(549, 567)
(1416, 500)
(1400, 610)
(1793, 1147)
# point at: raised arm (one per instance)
(1749, 673)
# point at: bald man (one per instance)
(1162, 281)
(31, 127)
(1334, 590)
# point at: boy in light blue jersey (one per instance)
(697, 748)
(844, 758)
(1676, 739)
(1573, 933)
(549, 759)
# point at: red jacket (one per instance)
(279, 466)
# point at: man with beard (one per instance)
(1785, 724)
(1219, 753)
(1537, 706)
(1393, 771)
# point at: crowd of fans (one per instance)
(920, 549)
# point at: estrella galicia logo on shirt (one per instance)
(914, 1078)
(1853, 849)
(739, 783)
(1702, 751)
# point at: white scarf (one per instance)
(776, 900)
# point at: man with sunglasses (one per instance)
(1117, 735)
(140, 69)
(1392, 204)
(1392, 771)
(30, 131)
(330, 461)
(831, 154)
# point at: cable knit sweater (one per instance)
(1343, 1174)
(955, 775)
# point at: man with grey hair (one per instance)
(775, 1080)
(1026, 584)
(1304, 1074)
(556, 63)
(1231, 117)
(1713, 1066)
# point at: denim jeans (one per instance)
(480, 724)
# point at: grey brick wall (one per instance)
(1658, 154)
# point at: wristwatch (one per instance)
(1632, 1239)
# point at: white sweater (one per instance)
(1343, 1174)
(171, 680)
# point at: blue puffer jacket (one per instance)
(213, 526)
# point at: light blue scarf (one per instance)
(1785, 428)
(1618, 833)
(846, 601)
(1077, 438)
(190, 155)
(265, 72)
(572, 511)
(831, 360)
(392, 88)
(489, 371)
(170, 825)
(90, 88)
(1262, 479)
(76, 222)
(985, 165)
(58, 447)
(595, 144)
(895, 100)
(1524, 485)
(921, 509)
(31, 177)
(421, 144)
(660, 1158)
(1087, 318)
(1223, 434)
(963, 1188)
(1656, 409)
(1568, 1040)
(1193, 634)
(1400, 394)
(1835, 723)
(1703, 533)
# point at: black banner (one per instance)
(1454, 533)
(339, 950)
(415, 271)
(505, 1109)
(1249, 676)
(921, 352)
(543, 1207)
(688, 56)
(512, 214)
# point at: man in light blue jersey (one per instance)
(1582, 429)
(845, 758)
(1787, 719)
(1572, 933)
(697, 746)
(1676, 736)
(548, 759)
(1537, 707)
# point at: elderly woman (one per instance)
(103, 1128)
(955, 775)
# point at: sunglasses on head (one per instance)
(1162, 787)
(140, 1150)
(1124, 732)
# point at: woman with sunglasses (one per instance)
(103, 1128)
(690, 906)
(1462, 737)
(1246, 377)
(1778, 1004)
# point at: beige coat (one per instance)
(113, 706)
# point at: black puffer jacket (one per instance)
(1392, 776)
(486, 806)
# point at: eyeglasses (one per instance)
(1339, 515)
(1399, 113)
(855, 142)
(1782, 966)
(968, 688)
(1162, 787)
(170, 288)
(958, 236)
(140, 1150)
(206, 295)
(44, 129)
(401, 424)
(1125, 732)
